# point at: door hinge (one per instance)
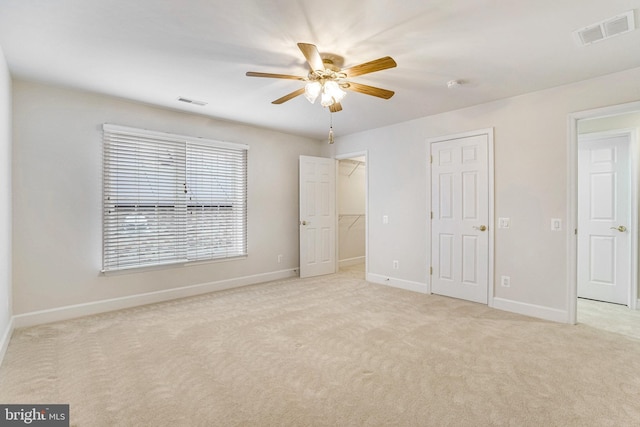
(430, 159)
(431, 214)
(430, 271)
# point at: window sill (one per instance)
(177, 264)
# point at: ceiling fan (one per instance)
(326, 79)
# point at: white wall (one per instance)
(5, 204)
(57, 199)
(530, 188)
(351, 210)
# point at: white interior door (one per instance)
(317, 216)
(604, 219)
(460, 218)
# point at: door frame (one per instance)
(345, 156)
(572, 206)
(491, 203)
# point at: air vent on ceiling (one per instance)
(619, 24)
(192, 101)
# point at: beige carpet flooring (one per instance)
(332, 350)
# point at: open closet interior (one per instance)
(351, 211)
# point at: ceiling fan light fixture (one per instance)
(326, 99)
(332, 88)
(312, 91)
(328, 90)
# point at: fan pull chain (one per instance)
(330, 127)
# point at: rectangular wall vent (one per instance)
(614, 26)
(192, 101)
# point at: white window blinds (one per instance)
(170, 198)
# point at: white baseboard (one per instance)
(532, 310)
(398, 283)
(79, 310)
(351, 261)
(5, 338)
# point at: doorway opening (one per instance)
(352, 214)
(603, 243)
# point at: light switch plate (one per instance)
(504, 222)
(556, 224)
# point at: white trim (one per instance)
(492, 222)
(572, 222)
(352, 261)
(344, 156)
(572, 197)
(398, 283)
(427, 216)
(87, 309)
(4, 340)
(532, 310)
(489, 132)
(635, 199)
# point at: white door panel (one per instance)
(459, 227)
(317, 216)
(604, 205)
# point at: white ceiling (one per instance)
(154, 51)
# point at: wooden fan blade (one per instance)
(370, 90)
(289, 96)
(335, 107)
(370, 67)
(312, 55)
(273, 76)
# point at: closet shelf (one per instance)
(358, 163)
(357, 218)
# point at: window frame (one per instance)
(224, 165)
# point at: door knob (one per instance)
(620, 228)
(481, 228)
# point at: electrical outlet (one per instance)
(396, 264)
(279, 258)
(505, 281)
(385, 219)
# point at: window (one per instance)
(170, 198)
